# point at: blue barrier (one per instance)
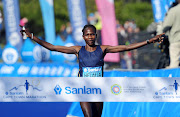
(71, 70)
(148, 73)
(38, 70)
(111, 109)
(35, 109)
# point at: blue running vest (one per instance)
(91, 63)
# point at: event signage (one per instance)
(55, 69)
(38, 70)
(158, 10)
(57, 56)
(12, 19)
(69, 57)
(27, 51)
(62, 57)
(108, 31)
(94, 89)
(10, 54)
(77, 14)
(47, 9)
(160, 7)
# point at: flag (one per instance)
(108, 32)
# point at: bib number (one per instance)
(92, 71)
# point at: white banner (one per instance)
(106, 89)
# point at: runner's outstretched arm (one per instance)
(120, 48)
(63, 49)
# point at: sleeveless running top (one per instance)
(91, 63)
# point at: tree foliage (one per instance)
(141, 12)
(31, 9)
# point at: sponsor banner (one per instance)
(27, 51)
(31, 52)
(39, 70)
(109, 33)
(57, 56)
(160, 7)
(62, 57)
(94, 89)
(47, 9)
(56, 69)
(170, 2)
(77, 14)
(10, 54)
(158, 10)
(69, 57)
(12, 19)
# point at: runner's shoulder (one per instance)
(77, 48)
(104, 47)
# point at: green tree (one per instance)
(141, 12)
(31, 9)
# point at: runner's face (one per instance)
(89, 36)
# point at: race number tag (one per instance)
(92, 71)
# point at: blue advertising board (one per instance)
(47, 9)
(10, 54)
(117, 109)
(77, 14)
(160, 8)
(12, 19)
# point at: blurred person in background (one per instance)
(122, 34)
(91, 56)
(69, 28)
(98, 26)
(128, 59)
(171, 24)
(91, 19)
(63, 32)
(133, 24)
(1, 20)
(127, 34)
(1, 26)
(95, 19)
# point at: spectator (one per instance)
(69, 28)
(121, 32)
(63, 32)
(91, 19)
(172, 24)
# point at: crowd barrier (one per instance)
(71, 70)
(111, 109)
(89, 89)
(38, 70)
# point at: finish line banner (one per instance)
(106, 89)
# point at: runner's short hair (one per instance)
(89, 26)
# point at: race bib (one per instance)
(92, 71)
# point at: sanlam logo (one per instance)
(57, 90)
(80, 90)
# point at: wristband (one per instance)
(148, 41)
